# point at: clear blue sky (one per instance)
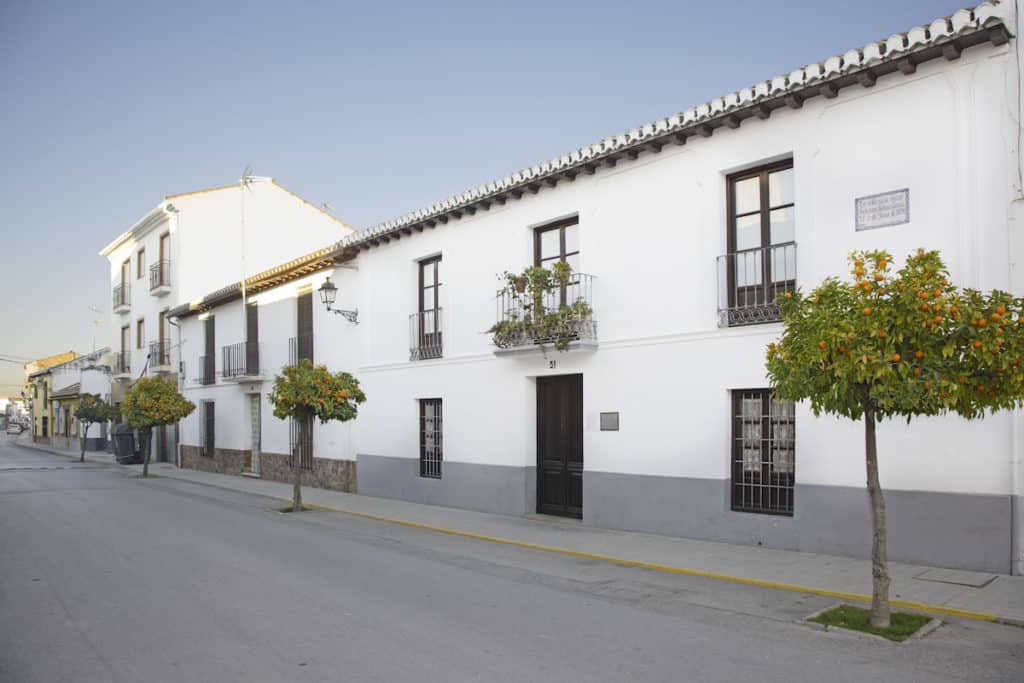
(376, 107)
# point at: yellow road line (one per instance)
(667, 568)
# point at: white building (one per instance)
(188, 245)
(684, 228)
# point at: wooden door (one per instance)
(560, 445)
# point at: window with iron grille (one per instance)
(763, 452)
(300, 438)
(431, 445)
(207, 428)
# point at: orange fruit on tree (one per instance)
(977, 344)
(895, 358)
(917, 372)
(867, 310)
(919, 355)
(821, 345)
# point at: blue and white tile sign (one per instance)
(883, 209)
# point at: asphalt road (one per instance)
(107, 577)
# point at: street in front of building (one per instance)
(108, 577)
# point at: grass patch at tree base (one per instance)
(289, 508)
(902, 625)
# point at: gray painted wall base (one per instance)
(487, 488)
(960, 531)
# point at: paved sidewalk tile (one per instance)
(1002, 595)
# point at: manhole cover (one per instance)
(957, 577)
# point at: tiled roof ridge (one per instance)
(943, 29)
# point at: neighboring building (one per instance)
(680, 233)
(55, 396)
(13, 410)
(41, 384)
(186, 246)
(33, 367)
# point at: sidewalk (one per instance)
(974, 595)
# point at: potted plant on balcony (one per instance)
(529, 320)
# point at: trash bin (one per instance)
(124, 445)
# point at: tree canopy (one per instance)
(307, 389)
(901, 343)
(153, 402)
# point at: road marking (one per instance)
(667, 568)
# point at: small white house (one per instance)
(658, 416)
(188, 245)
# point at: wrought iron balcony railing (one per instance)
(122, 363)
(750, 281)
(160, 353)
(300, 347)
(207, 370)
(562, 315)
(160, 275)
(240, 360)
(425, 335)
(121, 298)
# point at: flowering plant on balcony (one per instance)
(538, 308)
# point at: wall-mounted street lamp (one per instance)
(328, 292)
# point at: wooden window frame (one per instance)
(429, 344)
(765, 209)
(140, 333)
(559, 225)
(431, 462)
(744, 483)
(126, 342)
(140, 263)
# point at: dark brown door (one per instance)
(560, 445)
(304, 331)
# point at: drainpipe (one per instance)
(1015, 233)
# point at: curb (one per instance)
(669, 569)
(638, 564)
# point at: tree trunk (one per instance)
(879, 556)
(147, 439)
(85, 435)
(297, 491)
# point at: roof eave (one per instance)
(861, 67)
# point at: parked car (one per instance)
(14, 428)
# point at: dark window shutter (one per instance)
(210, 427)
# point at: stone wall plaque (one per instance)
(609, 422)
(882, 210)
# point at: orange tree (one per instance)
(153, 402)
(92, 409)
(898, 344)
(306, 391)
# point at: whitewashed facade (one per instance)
(932, 112)
(188, 245)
